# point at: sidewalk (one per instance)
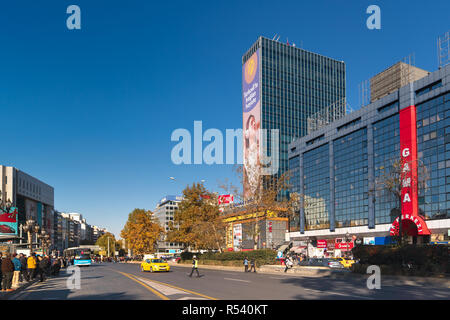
(22, 286)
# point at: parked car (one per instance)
(335, 264)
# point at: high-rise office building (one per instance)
(165, 213)
(282, 88)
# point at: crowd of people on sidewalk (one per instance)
(16, 269)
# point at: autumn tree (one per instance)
(141, 231)
(197, 222)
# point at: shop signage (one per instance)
(344, 245)
(369, 240)
(321, 243)
(226, 199)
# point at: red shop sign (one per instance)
(321, 244)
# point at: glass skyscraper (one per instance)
(283, 87)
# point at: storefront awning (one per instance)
(299, 249)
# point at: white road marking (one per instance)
(338, 293)
(236, 279)
(165, 290)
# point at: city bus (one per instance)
(82, 256)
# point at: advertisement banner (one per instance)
(8, 223)
(251, 108)
(229, 236)
(225, 199)
(237, 236)
(369, 240)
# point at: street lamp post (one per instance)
(347, 239)
(31, 227)
(45, 241)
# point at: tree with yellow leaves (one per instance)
(142, 231)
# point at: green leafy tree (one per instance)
(103, 242)
(197, 222)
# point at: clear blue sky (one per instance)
(91, 111)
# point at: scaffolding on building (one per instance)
(443, 46)
(327, 115)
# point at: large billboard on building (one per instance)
(251, 108)
(8, 223)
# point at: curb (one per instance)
(267, 270)
(7, 295)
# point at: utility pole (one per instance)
(108, 246)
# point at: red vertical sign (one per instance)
(408, 150)
(408, 153)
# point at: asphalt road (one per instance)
(109, 281)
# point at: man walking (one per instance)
(17, 267)
(194, 267)
(32, 264)
(7, 271)
(246, 264)
(252, 265)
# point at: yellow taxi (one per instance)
(153, 265)
(345, 262)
